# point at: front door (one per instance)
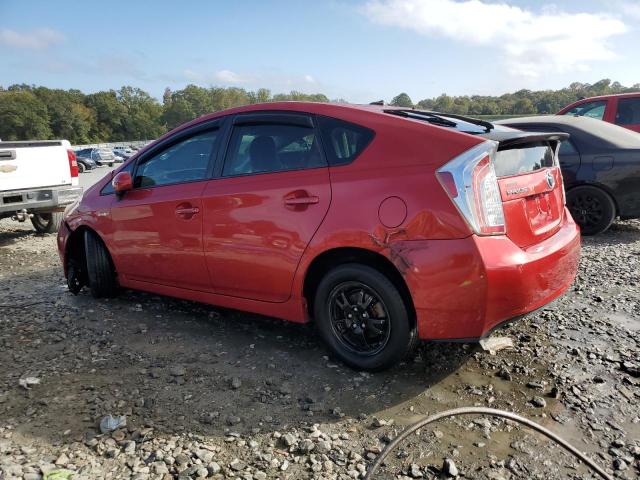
(260, 214)
(157, 226)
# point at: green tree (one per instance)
(143, 118)
(402, 100)
(110, 114)
(23, 116)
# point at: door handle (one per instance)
(187, 211)
(309, 200)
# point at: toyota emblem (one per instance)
(551, 180)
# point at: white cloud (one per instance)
(631, 9)
(38, 39)
(227, 76)
(534, 44)
(309, 79)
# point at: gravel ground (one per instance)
(213, 393)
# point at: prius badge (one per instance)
(551, 180)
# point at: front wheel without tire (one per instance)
(361, 316)
(592, 208)
(46, 222)
(100, 272)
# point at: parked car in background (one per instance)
(601, 168)
(38, 179)
(376, 222)
(85, 164)
(123, 152)
(622, 109)
(102, 156)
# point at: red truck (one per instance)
(622, 109)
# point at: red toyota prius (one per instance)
(382, 225)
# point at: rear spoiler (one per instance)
(510, 139)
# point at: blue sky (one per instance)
(359, 50)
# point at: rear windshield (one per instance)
(519, 161)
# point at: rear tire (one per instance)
(81, 168)
(46, 222)
(100, 272)
(592, 208)
(353, 295)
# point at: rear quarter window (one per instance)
(343, 141)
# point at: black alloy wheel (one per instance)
(363, 318)
(359, 318)
(591, 208)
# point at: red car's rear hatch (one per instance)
(530, 182)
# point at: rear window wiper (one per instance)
(422, 115)
(475, 121)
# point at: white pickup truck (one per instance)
(37, 180)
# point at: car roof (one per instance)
(608, 133)
(604, 97)
(345, 111)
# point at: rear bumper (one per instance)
(38, 200)
(464, 288)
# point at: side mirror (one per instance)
(122, 183)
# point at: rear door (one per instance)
(531, 187)
(157, 226)
(627, 113)
(570, 160)
(34, 164)
(271, 196)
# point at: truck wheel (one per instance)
(100, 271)
(592, 208)
(361, 316)
(46, 222)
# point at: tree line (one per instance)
(34, 112)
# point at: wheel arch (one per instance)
(334, 257)
(75, 247)
(600, 186)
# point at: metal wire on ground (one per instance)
(491, 412)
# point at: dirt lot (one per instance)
(220, 394)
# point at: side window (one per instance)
(185, 161)
(628, 111)
(343, 141)
(567, 148)
(264, 148)
(589, 109)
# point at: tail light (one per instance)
(471, 183)
(73, 163)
